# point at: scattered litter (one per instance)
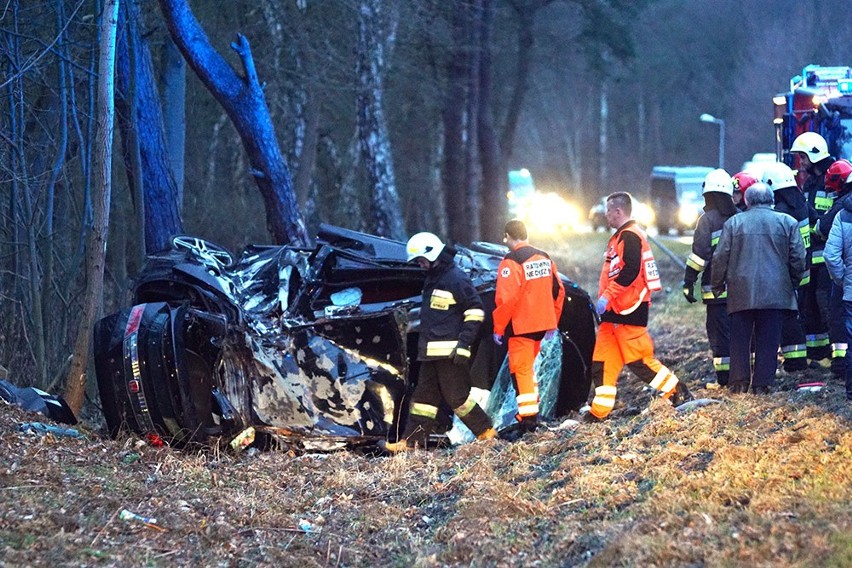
(567, 424)
(307, 526)
(130, 516)
(58, 431)
(697, 403)
(810, 387)
(36, 400)
(243, 439)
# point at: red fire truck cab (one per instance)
(819, 100)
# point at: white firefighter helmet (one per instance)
(427, 245)
(812, 144)
(718, 180)
(778, 175)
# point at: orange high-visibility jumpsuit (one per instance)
(628, 277)
(529, 299)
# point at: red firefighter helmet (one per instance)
(838, 175)
(742, 181)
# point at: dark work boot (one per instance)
(738, 388)
(838, 368)
(794, 365)
(681, 394)
(529, 423)
(761, 389)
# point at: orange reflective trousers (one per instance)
(522, 354)
(618, 345)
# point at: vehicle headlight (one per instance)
(687, 215)
(549, 214)
(644, 215)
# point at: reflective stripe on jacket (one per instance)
(700, 261)
(529, 293)
(451, 313)
(627, 281)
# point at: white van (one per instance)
(676, 196)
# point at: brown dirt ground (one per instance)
(760, 481)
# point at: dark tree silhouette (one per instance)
(243, 99)
(140, 121)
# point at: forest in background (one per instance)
(391, 117)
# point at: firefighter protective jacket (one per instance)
(704, 241)
(628, 276)
(529, 293)
(791, 201)
(451, 313)
(819, 201)
(823, 225)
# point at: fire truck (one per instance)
(819, 100)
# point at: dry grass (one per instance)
(760, 481)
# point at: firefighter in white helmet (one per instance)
(450, 317)
(788, 199)
(718, 189)
(814, 159)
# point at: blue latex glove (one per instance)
(600, 307)
(498, 339)
(550, 334)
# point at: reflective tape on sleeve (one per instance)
(425, 410)
(440, 348)
(474, 314)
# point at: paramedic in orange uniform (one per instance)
(529, 300)
(628, 277)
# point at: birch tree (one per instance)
(375, 36)
(96, 240)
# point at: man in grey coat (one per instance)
(761, 259)
(838, 260)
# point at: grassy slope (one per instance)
(752, 480)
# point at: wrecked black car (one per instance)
(297, 343)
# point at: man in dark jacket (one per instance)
(814, 159)
(760, 260)
(835, 184)
(795, 345)
(718, 208)
(450, 317)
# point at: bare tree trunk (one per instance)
(494, 172)
(58, 163)
(130, 131)
(471, 167)
(139, 114)
(243, 99)
(603, 135)
(526, 10)
(30, 273)
(452, 175)
(310, 134)
(373, 40)
(173, 78)
(97, 237)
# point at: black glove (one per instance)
(460, 356)
(688, 294)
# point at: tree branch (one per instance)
(242, 47)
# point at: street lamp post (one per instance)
(710, 118)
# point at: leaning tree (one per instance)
(244, 101)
